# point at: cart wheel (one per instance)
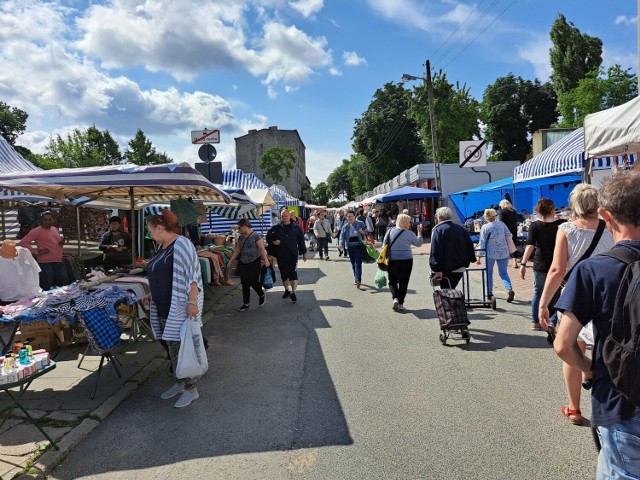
(443, 339)
(466, 336)
(493, 303)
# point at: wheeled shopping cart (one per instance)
(452, 312)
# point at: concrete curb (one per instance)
(50, 459)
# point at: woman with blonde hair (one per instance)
(493, 245)
(400, 258)
(573, 240)
(509, 217)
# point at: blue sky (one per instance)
(172, 66)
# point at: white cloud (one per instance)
(536, 52)
(405, 12)
(624, 59)
(307, 7)
(336, 72)
(624, 20)
(351, 59)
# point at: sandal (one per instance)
(573, 416)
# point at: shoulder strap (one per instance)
(625, 255)
(588, 251)
(394, 240)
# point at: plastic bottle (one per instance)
(29, 348)
(7, 362)
(24, 356)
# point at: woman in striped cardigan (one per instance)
(176, 294)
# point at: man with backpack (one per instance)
(606, 289)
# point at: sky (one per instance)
(168, 67)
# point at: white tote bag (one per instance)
(192, 357)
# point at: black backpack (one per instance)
(621, 348)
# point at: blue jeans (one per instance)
(620, 454)
(503, 265)
(356, 254)
(53, 275)
(538, 286)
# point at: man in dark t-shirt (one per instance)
(590, 294)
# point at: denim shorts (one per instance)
(620, 454)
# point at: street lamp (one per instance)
(434, 138)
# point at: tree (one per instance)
(13, 122)
(573, 55)
(386, 136)
(91, 148)
(456, 114)
(142, 152)
(595, 93)
(276, 159)
(512, 110)
(339, 182)
(320, 194)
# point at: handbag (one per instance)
(328, 235)
(267, 278)
(371, 254)
(192, 357)
(383, 259)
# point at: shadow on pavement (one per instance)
(487, 340)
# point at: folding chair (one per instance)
(103, 333)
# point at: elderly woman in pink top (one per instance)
(48, 253)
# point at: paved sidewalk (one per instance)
(60, 400)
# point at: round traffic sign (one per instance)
(207, 153)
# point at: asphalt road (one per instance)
(338, 386)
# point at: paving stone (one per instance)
(11, 422)
(34, 413)
(63, 416)
(52, 457)
(10, 464)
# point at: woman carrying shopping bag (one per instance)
(175, 281)
(252, 258)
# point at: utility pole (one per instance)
(434, 135)
(638, 17)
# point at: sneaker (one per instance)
(175, 389)
(401, 308)
(293, 297)
(243, 308)
(396, 305)
(262, 300)
(286, 294)
(511, 296)
(186, 398)
(327, 258)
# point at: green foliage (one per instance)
(456, 115)
(386, 136)
(320, 194)
(339, 182)
(573, 55)
(13, 122)
(142, 152)
(90, 148)
(512, 109)
(275, 160)
(595, 93)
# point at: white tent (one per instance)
(615, 131)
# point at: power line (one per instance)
(457, 28)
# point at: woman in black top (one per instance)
(509, 217)
(542, 238)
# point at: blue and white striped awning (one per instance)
(12, 161)
(281, 196)
(238, 179)
(566, 156)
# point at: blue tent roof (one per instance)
(524, 195)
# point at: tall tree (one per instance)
(339, 182)
(320, 194)
(89, 148)
(386, 136)
(13, 122)
(595, 93)
(456, 114)
(573, 55)
(512, 110)
(142, 152)
(277, 163)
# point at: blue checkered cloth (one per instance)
(102, 330)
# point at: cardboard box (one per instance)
(44, 339)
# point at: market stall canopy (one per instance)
(524, 195)
(408, 193)
(261, 197)
(566, 156)
(146, 184)
(10, 162)
(615, 131)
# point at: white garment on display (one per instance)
(19, 276)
